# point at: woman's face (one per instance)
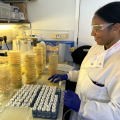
(103, 37)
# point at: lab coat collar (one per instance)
(115, 47)
(97, 61)
(100, 55)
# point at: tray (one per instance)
(49, 115)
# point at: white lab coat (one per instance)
(102, 66)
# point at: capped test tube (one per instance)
(34, 109)
(53, 113)
(48, 112)
(39, 111)
(43, 112)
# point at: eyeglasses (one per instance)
(97, 28)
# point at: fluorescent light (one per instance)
(5, 27)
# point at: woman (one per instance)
(97, 95)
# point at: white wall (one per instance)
(87, 10)
(52, 14)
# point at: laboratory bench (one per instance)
(44, 78)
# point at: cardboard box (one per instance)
(22, 8)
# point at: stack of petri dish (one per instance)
(53, 63)
(39, 59)
(14, 60)
(30, 69)
(42, 44)
(6, 87)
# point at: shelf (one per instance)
(21, 21)
(13, 23)
(14, 0)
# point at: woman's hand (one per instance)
(60, 77)
(71, 100)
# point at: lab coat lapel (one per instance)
(97, 61)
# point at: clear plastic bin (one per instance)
(11, 11)
(16, 113)
(5, 10)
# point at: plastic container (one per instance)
(16, 113)
(23, 34)
(5, 10)
(14, 13)
(11, 11)
(14, 60)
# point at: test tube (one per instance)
(48, 113)
(34, 110)
(54, 106)
(6, 106)
(39, 111)
(43, 112)
(53, 113)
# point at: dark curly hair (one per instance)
(110, 12)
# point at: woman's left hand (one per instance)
(71, 100)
